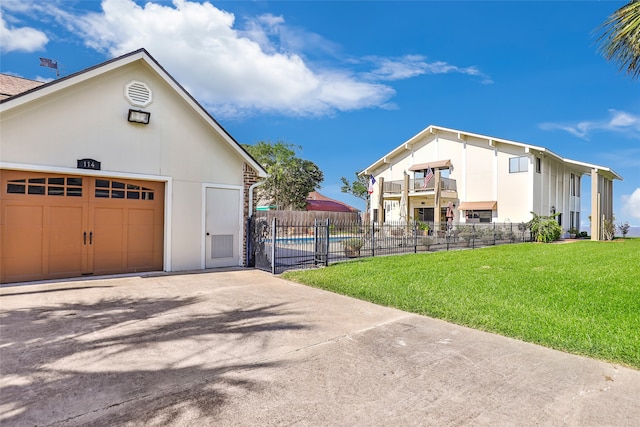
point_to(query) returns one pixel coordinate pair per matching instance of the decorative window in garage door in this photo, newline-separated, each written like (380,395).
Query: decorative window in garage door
(48,186)
(109,189)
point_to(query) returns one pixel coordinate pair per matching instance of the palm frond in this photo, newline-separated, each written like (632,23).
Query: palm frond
(620,38)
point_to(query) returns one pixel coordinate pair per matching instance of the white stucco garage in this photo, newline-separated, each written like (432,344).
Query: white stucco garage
(118,169)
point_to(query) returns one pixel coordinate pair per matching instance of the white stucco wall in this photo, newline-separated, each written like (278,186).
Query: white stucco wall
(480,175)
(514,189)
(481,171)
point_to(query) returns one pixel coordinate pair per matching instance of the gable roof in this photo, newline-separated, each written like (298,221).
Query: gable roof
(140,55)
(318,202)
(434,130)
(13,85)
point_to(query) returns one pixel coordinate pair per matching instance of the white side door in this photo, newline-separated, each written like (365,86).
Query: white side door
(223,227)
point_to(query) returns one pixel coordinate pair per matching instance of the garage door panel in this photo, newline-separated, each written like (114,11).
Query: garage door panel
(107,240)
(65,248)
(142,239)
(22,242)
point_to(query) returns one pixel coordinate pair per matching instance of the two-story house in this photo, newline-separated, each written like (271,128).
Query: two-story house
(484,179)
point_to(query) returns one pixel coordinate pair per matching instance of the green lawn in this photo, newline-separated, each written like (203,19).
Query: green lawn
(582,297)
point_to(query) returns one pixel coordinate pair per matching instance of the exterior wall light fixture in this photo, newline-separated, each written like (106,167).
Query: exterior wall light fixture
(139,116)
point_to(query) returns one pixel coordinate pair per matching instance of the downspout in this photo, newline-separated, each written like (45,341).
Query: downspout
(251,188)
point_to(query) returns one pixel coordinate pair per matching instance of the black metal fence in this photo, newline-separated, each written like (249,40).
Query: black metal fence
(277,246)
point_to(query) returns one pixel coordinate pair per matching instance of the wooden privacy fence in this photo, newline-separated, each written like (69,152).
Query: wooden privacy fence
(307,217)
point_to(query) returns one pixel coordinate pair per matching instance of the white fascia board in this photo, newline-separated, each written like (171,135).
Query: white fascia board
(399,149)
(591,166)
(461,135)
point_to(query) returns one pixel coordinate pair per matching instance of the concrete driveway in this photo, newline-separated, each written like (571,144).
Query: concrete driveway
(242,347)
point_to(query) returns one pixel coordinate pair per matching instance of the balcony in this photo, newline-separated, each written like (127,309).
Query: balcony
(416,186)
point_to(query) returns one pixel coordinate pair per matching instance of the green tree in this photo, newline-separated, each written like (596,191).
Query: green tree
(620,39)
(358,188)
(291,178)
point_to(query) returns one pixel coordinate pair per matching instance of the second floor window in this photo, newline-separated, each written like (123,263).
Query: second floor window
(575,185)
(518,164)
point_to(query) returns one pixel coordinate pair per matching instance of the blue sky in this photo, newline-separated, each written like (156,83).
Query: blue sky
(351,80)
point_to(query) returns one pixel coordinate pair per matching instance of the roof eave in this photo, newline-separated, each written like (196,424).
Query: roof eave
(432,129)
(612,174)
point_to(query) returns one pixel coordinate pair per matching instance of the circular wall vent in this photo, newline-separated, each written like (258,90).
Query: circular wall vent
(138,94)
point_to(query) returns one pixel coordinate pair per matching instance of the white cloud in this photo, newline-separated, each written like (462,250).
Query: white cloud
(259,30)
(273,35)
(631,204)
(265,66)
(24,39)
(620,119)
(415,65)
(44,79)
(622,158)
(618,122)
(229,70)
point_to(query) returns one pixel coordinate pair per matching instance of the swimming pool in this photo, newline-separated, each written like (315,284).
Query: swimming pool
(305,240)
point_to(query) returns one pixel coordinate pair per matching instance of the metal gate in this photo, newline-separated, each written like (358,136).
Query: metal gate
(260,247)
(275,246)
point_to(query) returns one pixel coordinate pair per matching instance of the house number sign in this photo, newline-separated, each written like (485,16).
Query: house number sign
(88,164)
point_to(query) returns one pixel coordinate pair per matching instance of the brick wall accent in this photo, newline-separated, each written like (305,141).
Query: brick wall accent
(249,177)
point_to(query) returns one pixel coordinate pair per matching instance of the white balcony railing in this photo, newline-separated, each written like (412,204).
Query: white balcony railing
(417,186)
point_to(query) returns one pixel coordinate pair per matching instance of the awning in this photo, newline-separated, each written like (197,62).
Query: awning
(439,164)
(478,206)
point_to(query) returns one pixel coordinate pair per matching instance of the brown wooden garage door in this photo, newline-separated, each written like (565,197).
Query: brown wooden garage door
(55,226)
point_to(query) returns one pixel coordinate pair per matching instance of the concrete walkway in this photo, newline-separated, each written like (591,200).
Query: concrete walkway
(245,348)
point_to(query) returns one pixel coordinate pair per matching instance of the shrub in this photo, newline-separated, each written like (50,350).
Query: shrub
(426,241)
(422,226)
(509,235)
(353,243)
(609,228)
(466,235)
(545,229)
(522,228)
(624,229)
